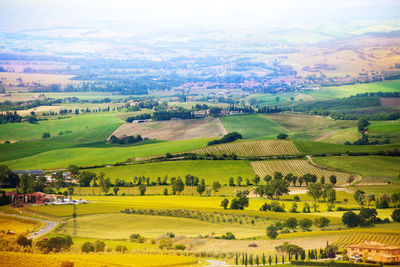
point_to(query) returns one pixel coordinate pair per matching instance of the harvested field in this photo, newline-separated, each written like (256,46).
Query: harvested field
(296,167)
(252,148)
(360,237)
(390,101)
(174,130)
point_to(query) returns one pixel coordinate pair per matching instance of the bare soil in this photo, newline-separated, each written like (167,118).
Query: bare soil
(173,130)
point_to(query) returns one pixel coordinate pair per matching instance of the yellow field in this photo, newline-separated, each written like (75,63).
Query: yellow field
(252,148)
(18,226)
(297,167)
(15,259)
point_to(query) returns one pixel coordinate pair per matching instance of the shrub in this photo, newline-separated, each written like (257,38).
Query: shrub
(87,247)
(180,247)
(99,246)
(121,249)
(24,241)
(165,244)
(46,135)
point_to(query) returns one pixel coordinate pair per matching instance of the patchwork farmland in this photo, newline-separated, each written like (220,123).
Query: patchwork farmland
(252,148)
(296,167)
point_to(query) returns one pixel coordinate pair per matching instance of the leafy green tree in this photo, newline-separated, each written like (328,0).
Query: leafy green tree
(359,196)
(201,187)
(282,136)
(350,219)
(142,189)
(256,180)
(87,247)
(224,203)
(333,179)
(8,179)
(291,223)
(24,241)
(241,201)
(396,215)
(99,246)
(116,189)
(272,232)
(314,190)
(239,180)
(267,178)
(58,179)
(305,224)
(231,182)
(216,186)
(46,135)
(85,178)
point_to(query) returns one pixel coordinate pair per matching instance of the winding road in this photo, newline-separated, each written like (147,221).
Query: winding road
(49,224)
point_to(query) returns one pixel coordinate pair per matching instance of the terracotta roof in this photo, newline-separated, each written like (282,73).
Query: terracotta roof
(373,245)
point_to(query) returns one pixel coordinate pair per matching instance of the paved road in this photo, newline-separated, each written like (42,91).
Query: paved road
(49,224)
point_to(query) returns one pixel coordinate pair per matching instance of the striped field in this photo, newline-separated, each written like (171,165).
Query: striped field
(296,167)
(360,237)
(252,148)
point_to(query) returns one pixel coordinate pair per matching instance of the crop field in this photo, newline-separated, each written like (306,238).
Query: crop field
(375,169)
(88,155)
(252,126)
(18,225)
(15,259)
(315,148)
(174,130)
(348,90)
(45,79)
(296,167)
(252,148)
(384,127)
(121,226)
(360,237)
(209,170)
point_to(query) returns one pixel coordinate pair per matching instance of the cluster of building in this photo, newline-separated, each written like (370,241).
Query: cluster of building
(374,252)
(49,177)
(42,198)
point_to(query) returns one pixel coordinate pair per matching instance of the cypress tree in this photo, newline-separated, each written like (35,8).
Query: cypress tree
(270,260)
(236,259)
(263,259)
(245,260)
(251,259)
(283,259)
(257,260)
(276,259)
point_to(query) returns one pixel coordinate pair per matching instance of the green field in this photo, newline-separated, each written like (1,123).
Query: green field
(252,126)
(372,168)
(210,170)
(316,148)
(87,156)
(384,127)
(84,128)
(348,90)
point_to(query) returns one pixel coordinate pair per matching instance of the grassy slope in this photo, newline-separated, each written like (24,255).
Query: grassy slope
(308,147)
(384,127)
(348,90)
(85,128)
(86,156)
(366,166)
(209,170)
(252,126)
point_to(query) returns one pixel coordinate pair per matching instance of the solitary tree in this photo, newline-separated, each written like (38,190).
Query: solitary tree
(116,189)
(201,187)
(142,189)
(272,232)
(225,203)
(332,179)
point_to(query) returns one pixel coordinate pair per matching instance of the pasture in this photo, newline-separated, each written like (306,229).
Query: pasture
(374,169)
(209,170)
(296,167)
(12,259)
(252,126)
(252,148)
(349,90)
(83,128)
(89,155)
(174,130)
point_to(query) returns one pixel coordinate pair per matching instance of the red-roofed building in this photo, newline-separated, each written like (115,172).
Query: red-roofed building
(375,252)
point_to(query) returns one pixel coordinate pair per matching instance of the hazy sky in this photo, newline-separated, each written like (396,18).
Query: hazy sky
(15,14)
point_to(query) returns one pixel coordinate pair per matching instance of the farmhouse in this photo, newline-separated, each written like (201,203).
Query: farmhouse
(375,252)
(35,173)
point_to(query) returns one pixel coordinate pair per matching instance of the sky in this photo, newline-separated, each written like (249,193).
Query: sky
(23,14)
